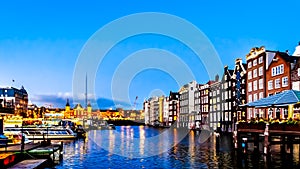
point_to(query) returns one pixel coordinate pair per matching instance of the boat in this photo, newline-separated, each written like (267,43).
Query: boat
(95,124)
(79,130)
(44,133)
(16,138)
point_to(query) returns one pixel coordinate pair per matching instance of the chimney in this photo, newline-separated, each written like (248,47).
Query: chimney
(297,50)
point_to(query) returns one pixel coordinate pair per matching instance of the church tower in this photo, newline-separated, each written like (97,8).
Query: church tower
(67,110)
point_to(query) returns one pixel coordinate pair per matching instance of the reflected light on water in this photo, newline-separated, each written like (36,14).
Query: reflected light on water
(142,139)
(189,153)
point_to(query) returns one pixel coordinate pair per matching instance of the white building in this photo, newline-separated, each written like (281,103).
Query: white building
(186,104)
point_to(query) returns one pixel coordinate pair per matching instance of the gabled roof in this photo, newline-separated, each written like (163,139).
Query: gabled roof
(78,106)
(286,57)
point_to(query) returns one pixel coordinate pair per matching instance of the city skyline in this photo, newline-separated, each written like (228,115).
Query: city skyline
(40,43)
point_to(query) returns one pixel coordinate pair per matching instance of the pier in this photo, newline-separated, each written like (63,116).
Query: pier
(33,155)
(269,135)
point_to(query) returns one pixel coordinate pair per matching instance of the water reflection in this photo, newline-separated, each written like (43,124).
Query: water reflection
(130,142)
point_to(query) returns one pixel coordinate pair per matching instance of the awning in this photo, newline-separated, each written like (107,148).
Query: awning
(281,99)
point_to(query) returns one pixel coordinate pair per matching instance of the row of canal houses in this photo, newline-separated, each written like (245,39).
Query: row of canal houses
(217,103)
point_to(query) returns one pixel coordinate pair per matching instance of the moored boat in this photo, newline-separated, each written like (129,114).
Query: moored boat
(44,133)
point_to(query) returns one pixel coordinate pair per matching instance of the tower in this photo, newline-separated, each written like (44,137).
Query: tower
(67,110)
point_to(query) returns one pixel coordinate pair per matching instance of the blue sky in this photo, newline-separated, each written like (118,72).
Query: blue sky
(40,41)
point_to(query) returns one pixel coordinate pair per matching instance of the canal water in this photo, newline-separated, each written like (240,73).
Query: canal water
(144,147)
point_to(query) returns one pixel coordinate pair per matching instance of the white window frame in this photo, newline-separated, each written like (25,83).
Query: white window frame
(270,84)
(254,97)
(254,73)
(249,75)
(277,83)
(260,84)
(249,64)
(260,60)
(285,81)
(261,95)
(254,62)
(254,85)
(260,71)
(250,87)
(249,98)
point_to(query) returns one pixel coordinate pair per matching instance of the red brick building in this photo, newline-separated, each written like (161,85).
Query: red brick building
(256,66)
(278,79)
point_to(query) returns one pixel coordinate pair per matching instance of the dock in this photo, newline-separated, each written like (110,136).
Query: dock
(17,148)
(29,164)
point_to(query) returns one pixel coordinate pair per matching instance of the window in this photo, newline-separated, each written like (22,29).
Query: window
(254,73)
(261,95)
(249,64)
(250,75)
(249,86)
(254,62)
(285,81)
(255,97)
(277,83)
(298,71)
(281,69)
(270,84)
(260,60)
(260,84)
(278,70)
(249,98)
(255,85)
(260,71)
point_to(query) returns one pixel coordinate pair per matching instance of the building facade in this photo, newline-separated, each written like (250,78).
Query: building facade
(226,100)
(256,65)
(239,79)
(204,102)
(15,99)
(173,101)
(215,105)
(278,78)
(186,105)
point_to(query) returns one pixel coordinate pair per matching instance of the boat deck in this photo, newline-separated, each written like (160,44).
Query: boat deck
(29,164)
(17,148)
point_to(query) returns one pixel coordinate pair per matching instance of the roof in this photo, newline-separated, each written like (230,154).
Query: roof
(285,56)
(280,99)
(78,106)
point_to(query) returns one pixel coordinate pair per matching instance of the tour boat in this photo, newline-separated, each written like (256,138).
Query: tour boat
(16,138)
(44,133)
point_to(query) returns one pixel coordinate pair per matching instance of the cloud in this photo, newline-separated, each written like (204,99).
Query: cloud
(59,100)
